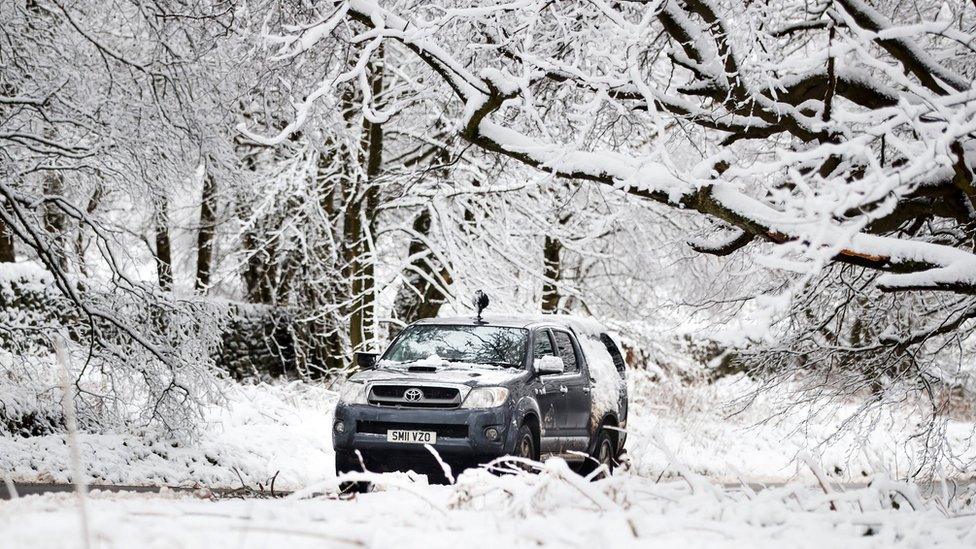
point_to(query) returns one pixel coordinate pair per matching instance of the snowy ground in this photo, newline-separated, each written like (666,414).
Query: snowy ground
(550,509)
(684,452)
(260,430)
(699,427)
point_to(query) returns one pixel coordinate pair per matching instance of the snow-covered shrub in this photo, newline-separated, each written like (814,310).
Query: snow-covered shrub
(136,359)
(29,399)
(257,342)
(29,305)
(845,339)
(257,431)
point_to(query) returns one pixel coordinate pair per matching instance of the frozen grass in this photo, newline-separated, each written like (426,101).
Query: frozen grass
(258,431)
(552,508)
(710,433)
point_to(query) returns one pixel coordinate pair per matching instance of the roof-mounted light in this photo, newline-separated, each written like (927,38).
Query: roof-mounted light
(480,302)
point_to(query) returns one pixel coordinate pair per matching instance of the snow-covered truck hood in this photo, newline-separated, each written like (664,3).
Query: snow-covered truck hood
(470,375)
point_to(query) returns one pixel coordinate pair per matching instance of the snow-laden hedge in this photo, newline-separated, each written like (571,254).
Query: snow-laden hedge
(135,359)
(255,342)
(256,431)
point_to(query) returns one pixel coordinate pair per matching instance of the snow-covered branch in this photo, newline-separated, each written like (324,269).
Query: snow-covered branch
(786,104)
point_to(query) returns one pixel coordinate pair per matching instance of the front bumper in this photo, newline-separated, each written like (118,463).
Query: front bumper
(464,447)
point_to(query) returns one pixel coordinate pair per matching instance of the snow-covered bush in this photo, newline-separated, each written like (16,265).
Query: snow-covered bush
(136,360)
(256,431)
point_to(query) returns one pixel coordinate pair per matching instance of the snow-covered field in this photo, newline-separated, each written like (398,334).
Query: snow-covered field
(678,491)
(554,508)
(259,430)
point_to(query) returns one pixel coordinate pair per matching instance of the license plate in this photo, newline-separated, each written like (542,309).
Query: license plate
(411,437)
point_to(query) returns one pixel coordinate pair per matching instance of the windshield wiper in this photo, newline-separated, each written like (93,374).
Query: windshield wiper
(502,364)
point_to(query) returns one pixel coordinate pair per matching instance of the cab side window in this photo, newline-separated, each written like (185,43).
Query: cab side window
(543,346)
(566,350)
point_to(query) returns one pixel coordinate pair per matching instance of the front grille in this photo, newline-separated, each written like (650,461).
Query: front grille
(443,430)
(407,396)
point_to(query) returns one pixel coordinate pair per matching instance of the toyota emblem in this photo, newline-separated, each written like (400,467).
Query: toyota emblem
(413,394)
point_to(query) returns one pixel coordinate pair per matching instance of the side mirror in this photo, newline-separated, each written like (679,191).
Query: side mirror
(549,365)
(365,361)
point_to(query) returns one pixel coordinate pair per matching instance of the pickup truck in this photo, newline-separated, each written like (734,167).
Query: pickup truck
(475,389)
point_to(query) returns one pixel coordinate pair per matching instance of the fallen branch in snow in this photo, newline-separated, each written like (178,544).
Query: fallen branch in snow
(821,477)
(396,480)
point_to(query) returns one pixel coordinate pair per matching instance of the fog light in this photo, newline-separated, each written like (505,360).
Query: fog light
(491,434)
(339,427)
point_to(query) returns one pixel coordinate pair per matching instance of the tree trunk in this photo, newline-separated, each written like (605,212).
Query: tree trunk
(259,271)
(54,219)
(205,236)
(352,235)
(7,249)
(164,257)
(81,241)
(551,272)
(361,206)
(332,329)
(421,295)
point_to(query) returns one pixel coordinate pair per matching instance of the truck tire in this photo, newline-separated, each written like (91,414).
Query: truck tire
(603,453)
(346,463)
(354,487)
(525,444)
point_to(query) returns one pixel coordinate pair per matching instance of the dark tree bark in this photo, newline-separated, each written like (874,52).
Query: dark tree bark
(55,222)
(164,256)
(7,249)
(352,252)
(205,236)
(420,297)
(81,241)
(551,271)
(332,333)
(361,206)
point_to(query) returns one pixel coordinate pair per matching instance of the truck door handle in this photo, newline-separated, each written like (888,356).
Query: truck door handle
(563,389)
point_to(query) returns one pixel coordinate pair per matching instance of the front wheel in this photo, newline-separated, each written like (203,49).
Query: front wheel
(525,444)
(346,462)
(355,487)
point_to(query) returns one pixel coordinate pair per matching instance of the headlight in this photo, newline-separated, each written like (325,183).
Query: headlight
(485,397)
(352,393)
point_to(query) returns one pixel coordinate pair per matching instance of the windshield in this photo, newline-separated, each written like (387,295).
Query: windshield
(495,345)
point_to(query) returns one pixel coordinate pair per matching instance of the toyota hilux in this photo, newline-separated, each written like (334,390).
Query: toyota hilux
(475,389)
